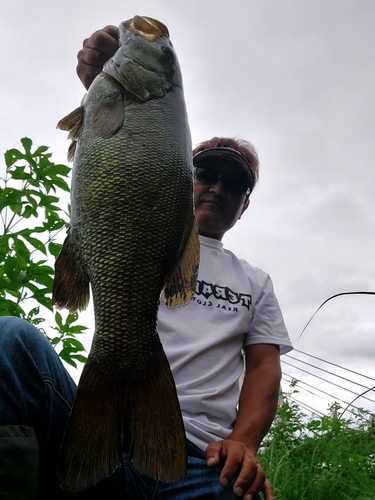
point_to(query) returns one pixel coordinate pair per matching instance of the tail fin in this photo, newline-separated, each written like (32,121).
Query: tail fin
(157,434)
(112,416)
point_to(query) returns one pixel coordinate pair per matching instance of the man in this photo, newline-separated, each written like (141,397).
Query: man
(233,312)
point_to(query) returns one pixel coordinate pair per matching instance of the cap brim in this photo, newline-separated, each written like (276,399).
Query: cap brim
(227,154)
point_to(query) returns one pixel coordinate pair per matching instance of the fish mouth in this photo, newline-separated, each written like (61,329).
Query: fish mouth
(146,27)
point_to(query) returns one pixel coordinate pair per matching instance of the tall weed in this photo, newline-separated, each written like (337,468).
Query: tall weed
(309,458)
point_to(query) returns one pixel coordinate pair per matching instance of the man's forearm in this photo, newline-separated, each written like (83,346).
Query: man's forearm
(258,399)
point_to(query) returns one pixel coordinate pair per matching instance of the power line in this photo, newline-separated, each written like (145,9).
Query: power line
(319,390)
(334,398)
(330,298)
(327,381)
(326,371)
(310,408)
(334,364)
(358,396)
(314,394)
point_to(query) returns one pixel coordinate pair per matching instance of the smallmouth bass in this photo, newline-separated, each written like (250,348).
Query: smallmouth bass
(133,235)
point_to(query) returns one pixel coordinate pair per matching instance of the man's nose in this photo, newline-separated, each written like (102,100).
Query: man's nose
(218,187)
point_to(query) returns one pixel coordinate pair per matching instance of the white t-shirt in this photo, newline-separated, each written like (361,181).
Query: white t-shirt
(234,306)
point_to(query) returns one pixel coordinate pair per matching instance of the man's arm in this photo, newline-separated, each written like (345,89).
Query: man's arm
(257,408)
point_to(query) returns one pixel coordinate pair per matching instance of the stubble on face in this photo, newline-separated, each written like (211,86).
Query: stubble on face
(216,210)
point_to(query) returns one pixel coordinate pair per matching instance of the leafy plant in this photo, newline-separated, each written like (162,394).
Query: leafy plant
(319,458)
(31,223)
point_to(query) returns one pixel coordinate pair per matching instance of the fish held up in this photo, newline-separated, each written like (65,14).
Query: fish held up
(133,237)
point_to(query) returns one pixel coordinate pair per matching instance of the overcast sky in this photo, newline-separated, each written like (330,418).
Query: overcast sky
(295,77)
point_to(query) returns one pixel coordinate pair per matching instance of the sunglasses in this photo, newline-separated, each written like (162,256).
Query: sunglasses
(232,183)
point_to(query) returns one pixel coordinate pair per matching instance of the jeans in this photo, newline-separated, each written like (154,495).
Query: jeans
(36,391)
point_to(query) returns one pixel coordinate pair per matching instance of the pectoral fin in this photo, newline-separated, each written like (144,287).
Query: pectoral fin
(179,285)
(73,124)
(108,116)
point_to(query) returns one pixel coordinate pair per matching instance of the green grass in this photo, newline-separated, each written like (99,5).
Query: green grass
(330,458)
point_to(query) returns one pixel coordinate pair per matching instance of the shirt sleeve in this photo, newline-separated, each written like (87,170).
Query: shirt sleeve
(267,324)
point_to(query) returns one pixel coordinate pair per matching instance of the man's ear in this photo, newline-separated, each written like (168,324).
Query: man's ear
(245,205)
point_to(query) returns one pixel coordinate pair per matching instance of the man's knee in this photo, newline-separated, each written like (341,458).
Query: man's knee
(12,325)
(17,330)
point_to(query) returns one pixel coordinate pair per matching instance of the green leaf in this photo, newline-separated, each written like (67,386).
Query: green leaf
(76,329)
(46,201)
(71,318)
(11,156)
(27,143)
(21,251)
(58,169)
(66,356)
(54,248)
(35,243)
(9,308)
(73,344)
(34,312)
(30,196)
(19,173)
(60,183)
(43,300)
(11,196)
(80,357)
(40,150)
(29,211)
(14,292)
(58,319)
(39,229)
(53,224)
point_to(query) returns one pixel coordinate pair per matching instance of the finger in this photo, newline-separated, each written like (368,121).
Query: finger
(249,487)
(213,453)
(268,491)
(88,57)
(95,52)
(99,47)
(233,462)
(250,479)
(104,40)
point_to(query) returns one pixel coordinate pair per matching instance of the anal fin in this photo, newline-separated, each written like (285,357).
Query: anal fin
(71,287)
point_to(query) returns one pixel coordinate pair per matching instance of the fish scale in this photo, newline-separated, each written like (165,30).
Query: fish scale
(133,238)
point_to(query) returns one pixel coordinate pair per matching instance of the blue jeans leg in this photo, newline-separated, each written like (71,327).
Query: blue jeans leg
(201,482)
(36,391)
